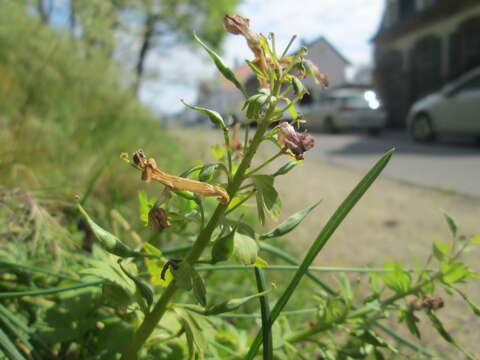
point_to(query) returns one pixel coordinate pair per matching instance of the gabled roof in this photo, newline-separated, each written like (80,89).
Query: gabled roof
(329,44)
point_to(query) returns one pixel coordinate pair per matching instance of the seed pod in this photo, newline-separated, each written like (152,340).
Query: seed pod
(107,240)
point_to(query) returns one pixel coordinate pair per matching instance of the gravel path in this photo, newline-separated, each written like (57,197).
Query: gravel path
(393,221)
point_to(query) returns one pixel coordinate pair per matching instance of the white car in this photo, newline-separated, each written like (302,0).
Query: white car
(453,110)
(344,109)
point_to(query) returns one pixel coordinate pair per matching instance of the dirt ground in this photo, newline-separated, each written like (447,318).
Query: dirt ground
(393,221)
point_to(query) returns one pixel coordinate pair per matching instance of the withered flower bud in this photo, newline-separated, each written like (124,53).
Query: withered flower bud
(296,142)
(429,302)
(172,182)
(139,158)
(157,218)
(313,70)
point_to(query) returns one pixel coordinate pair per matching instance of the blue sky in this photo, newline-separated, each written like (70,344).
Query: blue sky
(348,24)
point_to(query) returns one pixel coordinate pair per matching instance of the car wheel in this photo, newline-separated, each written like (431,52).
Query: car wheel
(422,129)
(330,126)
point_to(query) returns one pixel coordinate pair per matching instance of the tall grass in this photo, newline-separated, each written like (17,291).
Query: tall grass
(65,115)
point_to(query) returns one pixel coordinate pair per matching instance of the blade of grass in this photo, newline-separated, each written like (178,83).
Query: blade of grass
(321,240)
(48,291)
(31,268)
(295,267)
(265,312)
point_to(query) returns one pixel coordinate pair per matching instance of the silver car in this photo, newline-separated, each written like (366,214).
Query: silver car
(345,109)
(453,110)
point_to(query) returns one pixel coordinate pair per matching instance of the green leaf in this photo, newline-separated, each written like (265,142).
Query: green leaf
(10,349)
(440,250)
(454,272)
(475,239)
(268,199)
(321,240)
(207,172)
(145,204)
(199,290)
(194,332)
(246,249)
(107,240)
(398,280)
(143,288)
(224,247)
(224,69)
(289,224)
(260,263)
(473,306)
(411,321)
(183,275)
(232,304)
(218,151)
(452,224)
(214,116)
(155,266)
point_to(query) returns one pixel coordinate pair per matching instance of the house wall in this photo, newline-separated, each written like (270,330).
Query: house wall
(328,61)
(441,29)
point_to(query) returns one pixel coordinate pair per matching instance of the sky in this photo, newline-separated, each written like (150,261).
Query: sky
(347,24)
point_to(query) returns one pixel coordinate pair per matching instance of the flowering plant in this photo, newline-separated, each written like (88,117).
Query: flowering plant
(215,231)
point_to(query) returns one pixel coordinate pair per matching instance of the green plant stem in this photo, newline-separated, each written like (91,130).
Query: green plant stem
(203,239)
(229,152)
(49,291)
(295,267)
(280,153)
(265,312)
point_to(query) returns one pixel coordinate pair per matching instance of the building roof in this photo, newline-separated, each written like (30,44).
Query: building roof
(430,15)
(329,44)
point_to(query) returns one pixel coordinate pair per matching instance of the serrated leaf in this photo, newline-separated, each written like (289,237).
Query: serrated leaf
(155,266)
(143,288)
(199,290)
(246,249)
(452,224)
(213,115)
(268,199)
(224,69)
(183,275)
(454,272)
(289,224)
(109,270)
(397,280)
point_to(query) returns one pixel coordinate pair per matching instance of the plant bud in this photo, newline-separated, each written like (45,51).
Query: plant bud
(157,218)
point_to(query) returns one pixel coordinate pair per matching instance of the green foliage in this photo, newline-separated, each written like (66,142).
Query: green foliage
(143,309)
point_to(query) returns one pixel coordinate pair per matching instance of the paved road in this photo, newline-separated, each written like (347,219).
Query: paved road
(449,164)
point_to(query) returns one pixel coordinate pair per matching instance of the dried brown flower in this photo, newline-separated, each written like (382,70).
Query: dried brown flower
(319,76)
(152,172)
(296,142)
(157,218)
(429,302)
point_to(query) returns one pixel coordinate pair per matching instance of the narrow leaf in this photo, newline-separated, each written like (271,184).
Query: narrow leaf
(289,224)
(322,239)
(214,116)
(221,66)
(199,290)
(452,224)
(107,240)
(232,304)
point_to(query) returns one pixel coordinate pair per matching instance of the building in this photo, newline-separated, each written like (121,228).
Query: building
(420,46)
